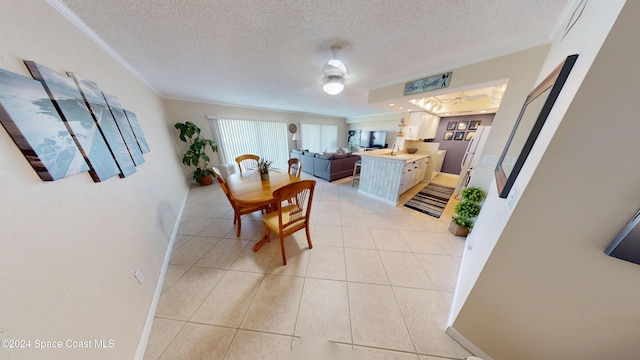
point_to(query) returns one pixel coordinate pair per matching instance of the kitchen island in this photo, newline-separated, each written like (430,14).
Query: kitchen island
(384,176)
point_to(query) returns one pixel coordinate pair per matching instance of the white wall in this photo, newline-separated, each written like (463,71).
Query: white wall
(197,112)
(544,288)
(70,247)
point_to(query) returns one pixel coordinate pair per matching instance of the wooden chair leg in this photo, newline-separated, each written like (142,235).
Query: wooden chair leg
(308,237)
(239,226)
(284,257)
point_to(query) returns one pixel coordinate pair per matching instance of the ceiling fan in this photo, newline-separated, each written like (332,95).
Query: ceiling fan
(333,73)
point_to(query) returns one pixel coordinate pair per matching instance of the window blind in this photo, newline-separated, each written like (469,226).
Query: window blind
(318,138)
(267,139)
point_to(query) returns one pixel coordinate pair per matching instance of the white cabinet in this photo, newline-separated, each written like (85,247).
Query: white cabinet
(422,169)
(422,125)
(410,176)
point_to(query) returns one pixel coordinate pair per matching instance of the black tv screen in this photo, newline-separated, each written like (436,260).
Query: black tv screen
(373,139)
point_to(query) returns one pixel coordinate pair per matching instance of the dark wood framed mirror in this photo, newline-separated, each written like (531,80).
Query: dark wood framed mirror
(532,117)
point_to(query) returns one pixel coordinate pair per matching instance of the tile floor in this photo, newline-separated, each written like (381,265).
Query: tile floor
(378,282)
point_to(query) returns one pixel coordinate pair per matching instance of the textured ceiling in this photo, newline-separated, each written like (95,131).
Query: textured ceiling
(269,53)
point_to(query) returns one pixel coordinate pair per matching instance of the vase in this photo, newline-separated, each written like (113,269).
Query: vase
(458,230)
(206,180)
(264,176)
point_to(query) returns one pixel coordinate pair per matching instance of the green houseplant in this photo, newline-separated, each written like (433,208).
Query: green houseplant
(196,154)
(466,211)
(263,168)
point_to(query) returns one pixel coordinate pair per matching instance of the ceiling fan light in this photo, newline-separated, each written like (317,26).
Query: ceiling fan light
(337,63)
(333,86)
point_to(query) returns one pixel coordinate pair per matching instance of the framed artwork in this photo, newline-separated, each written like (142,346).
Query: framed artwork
(462,125)
(459,135)
(452,125)
(125,128)
(102,116)
(137,131)
(448,135)
(473,125)
(75,115)
(528,125)
(33,122)
(469,135)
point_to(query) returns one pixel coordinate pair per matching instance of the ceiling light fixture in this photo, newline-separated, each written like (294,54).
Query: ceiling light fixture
(334,72)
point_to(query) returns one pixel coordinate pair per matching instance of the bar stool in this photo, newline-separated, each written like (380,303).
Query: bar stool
(356,172)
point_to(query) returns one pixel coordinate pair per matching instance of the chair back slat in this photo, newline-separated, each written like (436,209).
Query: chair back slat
(247,162)
(294,202)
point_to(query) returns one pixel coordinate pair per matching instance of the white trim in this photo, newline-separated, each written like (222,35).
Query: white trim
(75,20)
(471,347)
(146,330)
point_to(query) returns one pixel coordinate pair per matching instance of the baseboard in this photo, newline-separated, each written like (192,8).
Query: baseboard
(471,347)
(146,330)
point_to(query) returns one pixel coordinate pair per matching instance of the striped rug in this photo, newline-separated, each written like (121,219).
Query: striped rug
(431,200)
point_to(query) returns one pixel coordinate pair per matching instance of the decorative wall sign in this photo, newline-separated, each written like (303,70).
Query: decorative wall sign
(125,128)
(102,115)
(32,121)
(448,135)
(473,125)
(426,84)
(137,131)
(76,116)
(451,125)
(459,135)
(462,125)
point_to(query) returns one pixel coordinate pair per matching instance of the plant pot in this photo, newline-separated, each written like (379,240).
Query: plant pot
(206,180)
(264,176)
(458,230)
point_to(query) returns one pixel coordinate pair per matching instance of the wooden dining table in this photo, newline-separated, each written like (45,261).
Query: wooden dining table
(248,189)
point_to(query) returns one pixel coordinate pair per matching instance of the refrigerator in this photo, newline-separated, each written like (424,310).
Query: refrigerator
(471,157)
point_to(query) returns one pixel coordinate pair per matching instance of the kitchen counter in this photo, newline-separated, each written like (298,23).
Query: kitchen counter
(384,176)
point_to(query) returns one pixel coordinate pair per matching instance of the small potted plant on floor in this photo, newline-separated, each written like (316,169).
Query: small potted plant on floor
(466,211)
(263,168)
(196,154)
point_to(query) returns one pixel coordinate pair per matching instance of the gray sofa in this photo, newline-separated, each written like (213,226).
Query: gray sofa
(329,167)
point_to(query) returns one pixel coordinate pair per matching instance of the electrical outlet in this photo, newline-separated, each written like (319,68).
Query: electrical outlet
(138,275)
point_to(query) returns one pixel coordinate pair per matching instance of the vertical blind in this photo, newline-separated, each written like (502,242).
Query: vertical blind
(266,139)
(318,138)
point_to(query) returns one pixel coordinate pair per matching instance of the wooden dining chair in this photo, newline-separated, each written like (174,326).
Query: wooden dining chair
(248,162)
(293,207)
(295,167)
(238,210)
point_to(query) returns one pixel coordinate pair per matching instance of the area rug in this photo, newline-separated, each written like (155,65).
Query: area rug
(431,200)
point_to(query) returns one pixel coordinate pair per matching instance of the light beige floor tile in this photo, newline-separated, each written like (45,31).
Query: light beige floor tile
(409,221)
(376,319)
(297,259)
(255,261)
(448,298)
(228,302)
(180,240)
(365,266)
(442,269)
(358,238)
(174,272)
(332,218)
(380,354)
(223,254)
(163,331)
(379,221)
(324,311)
(182,299)
(332,204)
(250,228)
(389,239)
(275,306)
(452,245)
(257,345)
(192,251)
(197,341)
(404,269)
(327,236)
(205,209)
(425,313)
(421,242)
(354,219)
(190,225)
(317,348)
(327,263)
(218,228)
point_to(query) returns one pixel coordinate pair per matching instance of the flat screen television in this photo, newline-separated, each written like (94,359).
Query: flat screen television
(373,139)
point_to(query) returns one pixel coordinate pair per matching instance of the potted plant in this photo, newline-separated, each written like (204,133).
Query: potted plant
(263,168)
(196,154)
(466,210)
